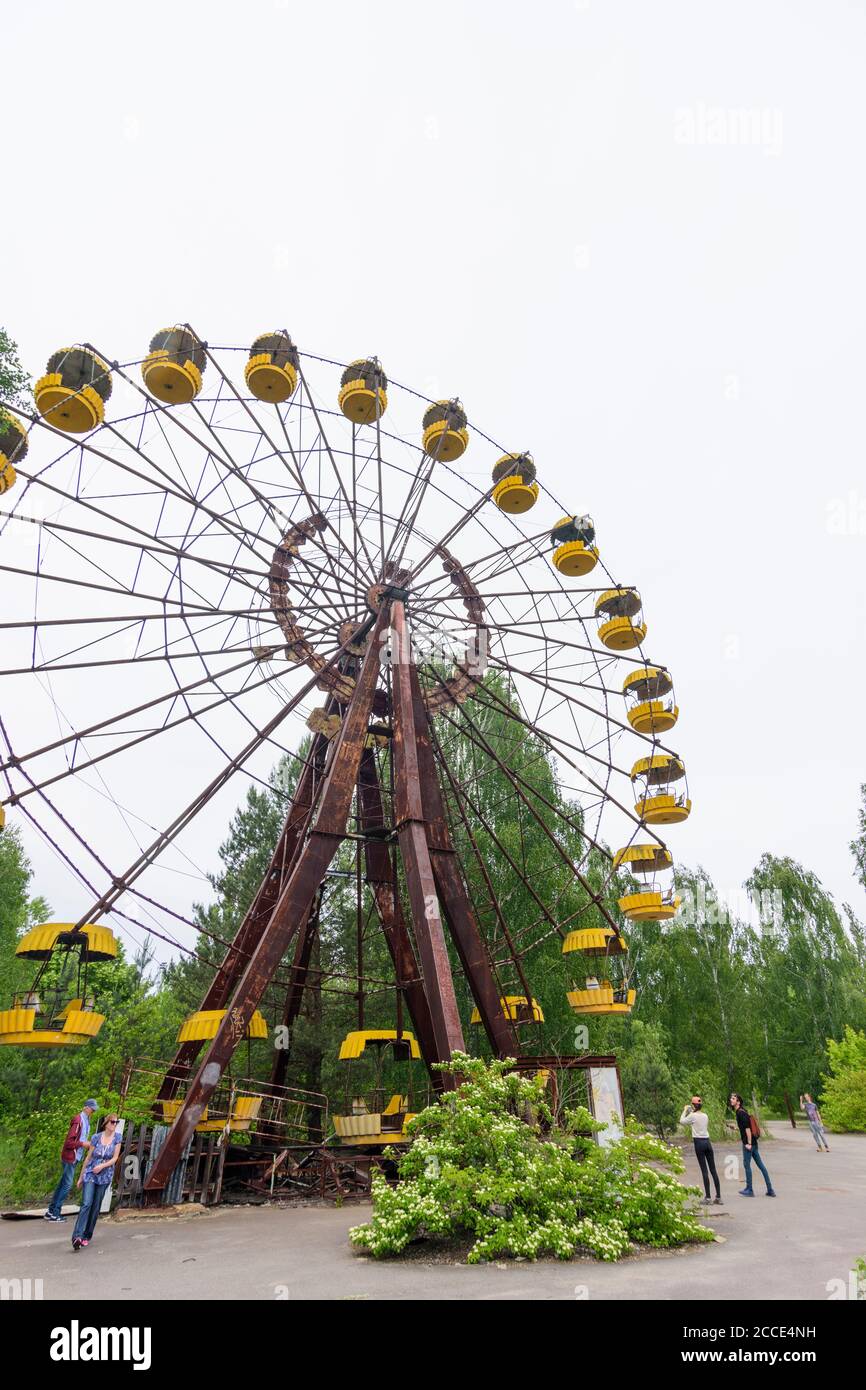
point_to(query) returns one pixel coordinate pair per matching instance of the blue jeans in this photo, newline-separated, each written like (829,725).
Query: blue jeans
(62,1190)
(748,1155)
(88,1216)
(818,1133)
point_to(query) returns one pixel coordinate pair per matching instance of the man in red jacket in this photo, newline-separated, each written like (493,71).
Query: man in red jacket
(71,1153)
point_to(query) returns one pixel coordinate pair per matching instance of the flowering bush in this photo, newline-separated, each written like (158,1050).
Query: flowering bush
(486,1164)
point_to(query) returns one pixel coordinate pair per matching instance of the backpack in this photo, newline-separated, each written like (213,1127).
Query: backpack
(754,1127)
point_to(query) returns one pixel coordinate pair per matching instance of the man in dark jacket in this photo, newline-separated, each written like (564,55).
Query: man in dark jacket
(751,1151)
(72,1152)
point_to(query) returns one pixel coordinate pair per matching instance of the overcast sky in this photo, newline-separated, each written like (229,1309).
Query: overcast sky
(631,237)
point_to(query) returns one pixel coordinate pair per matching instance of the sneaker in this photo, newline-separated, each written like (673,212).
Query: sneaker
(85,1242)
(705,1201)
(717,1202)
(49,1216)
(771,1193)
(76,1243)
(746,1192)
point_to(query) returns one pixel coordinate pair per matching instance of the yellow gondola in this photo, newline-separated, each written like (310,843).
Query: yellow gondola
(600,997)
(271,372)
(574,553)
(78,1017)
(363,394)
(13,448)
(516,489)
(659,804)
(517,1008)
(652,903)
(617,610)
(172,370)
(72,394)
(375,1123)
(647,710)
(445,434)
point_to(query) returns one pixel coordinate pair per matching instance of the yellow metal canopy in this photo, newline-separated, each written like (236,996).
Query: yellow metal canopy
(354,1043)
(663,767)
(202,1026)
(648,682)
(513,1005)
(644,859)
(618,603)
(39,942)
(595,941)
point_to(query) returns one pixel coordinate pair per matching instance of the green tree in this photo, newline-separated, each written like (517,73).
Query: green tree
(14,380)
(858,844)
(692,980)
(807,980)
(647,1081)
(18,910)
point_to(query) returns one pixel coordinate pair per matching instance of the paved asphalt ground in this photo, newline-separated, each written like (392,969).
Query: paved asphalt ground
(784,1249)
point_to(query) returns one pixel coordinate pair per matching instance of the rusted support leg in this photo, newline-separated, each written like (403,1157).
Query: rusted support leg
(412,836)
(292,908)
(295,992)
(380,876)
(453,893)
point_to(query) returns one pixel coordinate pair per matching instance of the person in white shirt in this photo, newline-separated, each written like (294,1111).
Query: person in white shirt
(695,1118)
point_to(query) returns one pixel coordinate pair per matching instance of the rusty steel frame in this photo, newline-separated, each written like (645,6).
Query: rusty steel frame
(285,909)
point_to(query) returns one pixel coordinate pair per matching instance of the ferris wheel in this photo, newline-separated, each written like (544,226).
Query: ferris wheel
(210,551)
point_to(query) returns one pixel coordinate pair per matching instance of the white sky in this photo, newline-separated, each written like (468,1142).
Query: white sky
(552,211)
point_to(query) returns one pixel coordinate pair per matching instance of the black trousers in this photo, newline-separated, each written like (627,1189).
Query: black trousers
(707,1163)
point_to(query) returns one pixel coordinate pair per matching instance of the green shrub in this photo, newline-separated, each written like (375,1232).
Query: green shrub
(843,1097)
(486,1165)
(843,1102)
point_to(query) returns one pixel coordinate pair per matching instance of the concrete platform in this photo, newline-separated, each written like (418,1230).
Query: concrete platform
(789,1248)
